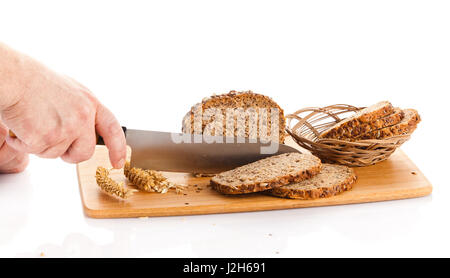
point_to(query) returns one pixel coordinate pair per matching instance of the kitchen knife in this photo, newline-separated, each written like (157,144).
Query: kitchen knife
(179,152)
(188,153)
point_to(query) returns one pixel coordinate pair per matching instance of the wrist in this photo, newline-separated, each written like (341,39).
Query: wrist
(15,77)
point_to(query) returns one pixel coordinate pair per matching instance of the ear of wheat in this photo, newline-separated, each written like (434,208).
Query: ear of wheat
(149,180)
(110,186)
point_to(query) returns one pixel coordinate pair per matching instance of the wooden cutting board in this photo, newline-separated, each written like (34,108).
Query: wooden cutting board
(396,178)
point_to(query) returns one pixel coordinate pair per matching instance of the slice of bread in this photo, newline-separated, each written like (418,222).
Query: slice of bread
(237,114)
(407,125)
(332,180)
(363,128)
(267,173)
(351,125)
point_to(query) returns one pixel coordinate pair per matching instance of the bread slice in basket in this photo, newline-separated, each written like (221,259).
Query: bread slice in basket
(363,128)
(407,125)
(332,180)
(267,173)
(363,120)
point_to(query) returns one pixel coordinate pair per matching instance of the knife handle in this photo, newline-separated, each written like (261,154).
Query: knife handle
(100,139)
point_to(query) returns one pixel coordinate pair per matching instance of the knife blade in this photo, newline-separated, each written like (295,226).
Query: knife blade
(188,153)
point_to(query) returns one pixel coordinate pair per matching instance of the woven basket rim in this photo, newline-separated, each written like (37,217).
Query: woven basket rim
(389,140)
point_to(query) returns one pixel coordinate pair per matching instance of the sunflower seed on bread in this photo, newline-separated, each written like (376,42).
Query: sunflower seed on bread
(332,180)
(267,173)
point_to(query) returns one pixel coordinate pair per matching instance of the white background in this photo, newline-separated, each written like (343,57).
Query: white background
(149,61)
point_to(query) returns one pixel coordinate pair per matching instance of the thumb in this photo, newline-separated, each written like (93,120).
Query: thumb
(109,128)
(3,131)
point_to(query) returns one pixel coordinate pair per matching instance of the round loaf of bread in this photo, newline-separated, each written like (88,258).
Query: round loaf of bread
(267,173)
(237,114)
(332,180)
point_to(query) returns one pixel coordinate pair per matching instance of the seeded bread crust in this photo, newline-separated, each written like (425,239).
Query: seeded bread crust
(233,181)
(332,180)
(360,121)
(234,99)
(363,128)
(407,125)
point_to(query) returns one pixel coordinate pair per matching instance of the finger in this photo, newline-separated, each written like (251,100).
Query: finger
(55,151)
(16,144)
(109,128)
(7,154)
(81,149)
(21,146)
(17,165)
(3,131)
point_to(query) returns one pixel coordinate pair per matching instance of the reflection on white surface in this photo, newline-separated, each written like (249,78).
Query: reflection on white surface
(298,232)
(15,197)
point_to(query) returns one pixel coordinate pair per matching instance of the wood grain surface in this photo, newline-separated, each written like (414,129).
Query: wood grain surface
(396,178)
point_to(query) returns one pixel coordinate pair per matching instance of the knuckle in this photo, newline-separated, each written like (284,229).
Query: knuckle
(51,138)
(90,97)
(84,154)
(85,112)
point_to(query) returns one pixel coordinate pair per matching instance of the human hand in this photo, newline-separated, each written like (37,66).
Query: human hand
(56,116)
(11,160)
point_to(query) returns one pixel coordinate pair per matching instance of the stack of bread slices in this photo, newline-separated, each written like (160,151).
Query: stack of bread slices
(290,175)
(379,121)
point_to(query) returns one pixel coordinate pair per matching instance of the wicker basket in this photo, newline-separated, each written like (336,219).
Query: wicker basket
(306,124)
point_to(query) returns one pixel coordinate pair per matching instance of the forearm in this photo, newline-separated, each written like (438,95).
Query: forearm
(15,76)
